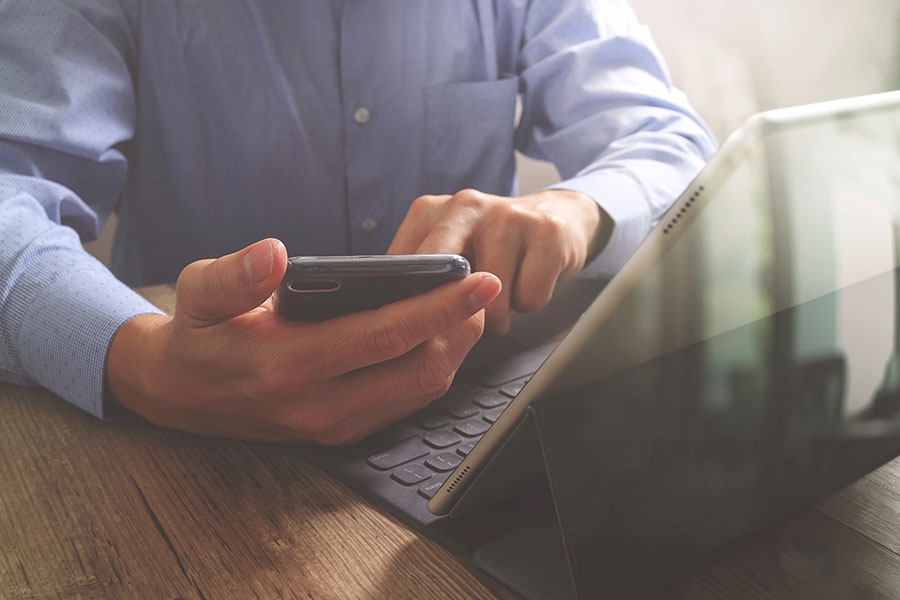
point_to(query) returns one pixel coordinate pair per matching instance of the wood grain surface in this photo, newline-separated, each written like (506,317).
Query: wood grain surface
(92,509)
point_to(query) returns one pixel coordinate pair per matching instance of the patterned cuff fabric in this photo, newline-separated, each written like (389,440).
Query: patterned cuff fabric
(65,336)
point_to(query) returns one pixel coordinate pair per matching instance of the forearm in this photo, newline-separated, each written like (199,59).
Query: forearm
(66,110)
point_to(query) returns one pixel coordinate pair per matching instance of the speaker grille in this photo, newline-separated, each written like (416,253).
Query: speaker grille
(458,479)
(683,210)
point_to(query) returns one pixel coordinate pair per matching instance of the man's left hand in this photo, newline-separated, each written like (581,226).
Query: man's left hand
(529,242)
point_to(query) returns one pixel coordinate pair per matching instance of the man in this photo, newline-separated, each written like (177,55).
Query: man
(329,127)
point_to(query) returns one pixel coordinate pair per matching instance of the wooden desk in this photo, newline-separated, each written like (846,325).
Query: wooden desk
(90,509)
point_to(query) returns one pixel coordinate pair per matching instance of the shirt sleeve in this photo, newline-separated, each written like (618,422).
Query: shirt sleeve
(599,103)
(66,112)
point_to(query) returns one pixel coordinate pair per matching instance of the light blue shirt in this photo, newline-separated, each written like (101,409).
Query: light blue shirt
(209,124)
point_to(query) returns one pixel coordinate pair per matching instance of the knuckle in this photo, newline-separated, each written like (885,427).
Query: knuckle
(447,314)
(533,297)
(475,329)
(186,275)
(190,275)
(553,227)
(214,282)
(470,199)
(421,204)
(529,302)
(434,375)
(498,320)
(511,216)
(388,338)
(555,255)
(427,204)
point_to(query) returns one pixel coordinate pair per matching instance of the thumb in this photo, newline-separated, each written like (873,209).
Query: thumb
(213,290)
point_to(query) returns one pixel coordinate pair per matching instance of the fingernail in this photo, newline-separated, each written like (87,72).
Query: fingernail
(482,294)
(258,262)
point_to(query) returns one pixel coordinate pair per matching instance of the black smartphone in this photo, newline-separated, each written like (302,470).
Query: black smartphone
(316,288)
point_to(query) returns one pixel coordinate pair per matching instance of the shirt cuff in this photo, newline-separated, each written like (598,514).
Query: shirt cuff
(65,336)
(623,200)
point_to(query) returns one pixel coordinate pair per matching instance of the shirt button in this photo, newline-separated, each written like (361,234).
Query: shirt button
(369,224)
(361,115)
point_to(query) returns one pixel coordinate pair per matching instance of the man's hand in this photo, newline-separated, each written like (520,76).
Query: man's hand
(227,365)
(530,242)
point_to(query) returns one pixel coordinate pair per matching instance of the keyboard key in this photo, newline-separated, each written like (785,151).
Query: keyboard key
(491,416)
(411,474)
(462,409)
(465,449)
(396,456)
(431,488)
(445,461)
(442,439)
(486,399)
(433,421)
(472,427)
(512,389)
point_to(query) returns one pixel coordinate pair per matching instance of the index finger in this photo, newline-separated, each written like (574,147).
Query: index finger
(365,338)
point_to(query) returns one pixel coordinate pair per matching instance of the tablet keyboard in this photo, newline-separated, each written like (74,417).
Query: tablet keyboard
(438,438)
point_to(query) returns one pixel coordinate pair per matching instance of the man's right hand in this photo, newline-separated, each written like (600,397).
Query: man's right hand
(226,364)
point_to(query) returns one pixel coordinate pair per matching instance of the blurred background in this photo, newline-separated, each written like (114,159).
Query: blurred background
(734,58)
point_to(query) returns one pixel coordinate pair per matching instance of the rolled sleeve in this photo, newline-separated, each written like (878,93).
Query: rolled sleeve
(598,102)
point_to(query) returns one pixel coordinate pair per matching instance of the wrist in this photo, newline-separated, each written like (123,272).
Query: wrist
(134,360)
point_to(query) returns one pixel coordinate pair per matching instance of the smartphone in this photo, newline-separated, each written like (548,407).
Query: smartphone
(316,288)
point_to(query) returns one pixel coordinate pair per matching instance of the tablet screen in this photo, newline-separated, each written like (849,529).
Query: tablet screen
(784,384)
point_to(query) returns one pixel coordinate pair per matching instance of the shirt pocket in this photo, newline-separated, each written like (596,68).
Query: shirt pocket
(469,130)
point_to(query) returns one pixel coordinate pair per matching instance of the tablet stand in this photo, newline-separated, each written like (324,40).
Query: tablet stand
(658,469)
